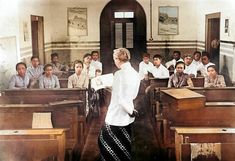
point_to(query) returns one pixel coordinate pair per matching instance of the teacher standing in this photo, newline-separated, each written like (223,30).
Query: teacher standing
(115,136)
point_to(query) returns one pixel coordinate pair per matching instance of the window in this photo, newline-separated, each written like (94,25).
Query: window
(123,14)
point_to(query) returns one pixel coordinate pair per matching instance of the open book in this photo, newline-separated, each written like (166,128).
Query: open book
(102,81)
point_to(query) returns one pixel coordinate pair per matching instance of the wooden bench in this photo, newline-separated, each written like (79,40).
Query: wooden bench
(32,145)
(185,137)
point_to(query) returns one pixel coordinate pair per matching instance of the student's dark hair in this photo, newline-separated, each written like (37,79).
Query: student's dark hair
(77,62)
(179,62)
(33,57)
(176,51)
(21,63)
(157,56)
(146,55)
(86,55)
(214,67)
(206,53)
(195,52)
(54,55)
(46,66)
(94,51)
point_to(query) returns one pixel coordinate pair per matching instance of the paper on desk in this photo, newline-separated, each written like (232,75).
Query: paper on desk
(102,81)
(42,120)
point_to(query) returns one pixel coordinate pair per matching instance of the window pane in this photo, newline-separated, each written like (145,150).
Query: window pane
(129,35)
(128,14)
(118,35)
(118,15)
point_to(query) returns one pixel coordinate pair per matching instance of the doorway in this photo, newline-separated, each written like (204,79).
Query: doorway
(122,24)
(213,37)
(37,29)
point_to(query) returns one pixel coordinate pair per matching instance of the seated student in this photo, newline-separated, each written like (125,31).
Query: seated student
(88,69)
(145,66)
(190,68)
(56,65)
(78,79)
(197,58)
(205,63)
(179,78)
(213,79)
(35,71)
(158,70)
(20,80)
(176,58)
(48,79)
(95,60)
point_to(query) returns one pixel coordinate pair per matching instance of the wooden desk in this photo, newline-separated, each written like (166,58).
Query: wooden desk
(65,114)
(183,99)
(32,144)
(186,135)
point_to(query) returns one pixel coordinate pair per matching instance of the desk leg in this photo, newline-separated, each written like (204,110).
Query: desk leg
(178,142)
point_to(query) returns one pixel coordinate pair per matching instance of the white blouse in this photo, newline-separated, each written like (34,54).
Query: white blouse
(124,90)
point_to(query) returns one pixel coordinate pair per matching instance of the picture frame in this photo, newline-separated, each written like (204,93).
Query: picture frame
(77,21)
(168,20)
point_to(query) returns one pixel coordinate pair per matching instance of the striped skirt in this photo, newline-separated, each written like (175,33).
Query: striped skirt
(115,143)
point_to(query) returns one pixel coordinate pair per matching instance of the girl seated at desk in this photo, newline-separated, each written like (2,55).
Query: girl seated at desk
(213,79)
(48,80)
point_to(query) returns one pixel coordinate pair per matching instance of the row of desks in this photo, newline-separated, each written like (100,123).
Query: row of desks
(68,108)
(209,108)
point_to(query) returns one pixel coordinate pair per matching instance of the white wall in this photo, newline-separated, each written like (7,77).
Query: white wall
(227,12)
(59,21)
(187,18)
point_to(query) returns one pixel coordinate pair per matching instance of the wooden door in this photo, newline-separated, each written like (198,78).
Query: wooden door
(127,30)
(37,29)
(213,37)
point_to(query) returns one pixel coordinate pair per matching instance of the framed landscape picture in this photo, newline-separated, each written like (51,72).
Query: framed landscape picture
(168,20)
(77,21)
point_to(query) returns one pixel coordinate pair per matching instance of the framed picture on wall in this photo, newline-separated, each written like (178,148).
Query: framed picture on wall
(168,20)
(77,21)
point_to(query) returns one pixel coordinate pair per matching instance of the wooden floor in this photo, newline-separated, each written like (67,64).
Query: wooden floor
(144,145)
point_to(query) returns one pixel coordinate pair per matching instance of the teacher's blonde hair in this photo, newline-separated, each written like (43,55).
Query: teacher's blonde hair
(123,54)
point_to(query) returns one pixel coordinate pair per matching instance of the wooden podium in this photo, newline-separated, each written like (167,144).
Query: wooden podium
(183,99)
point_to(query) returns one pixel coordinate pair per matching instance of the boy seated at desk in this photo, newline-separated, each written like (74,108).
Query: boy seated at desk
(20,80)
(158,70)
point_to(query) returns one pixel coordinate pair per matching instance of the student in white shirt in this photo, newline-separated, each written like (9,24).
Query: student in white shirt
(158,70)
(197,58)
(145,66)
(95,61)
(88,69)
(176,57)
(205,63)
(115,135)
(190,68)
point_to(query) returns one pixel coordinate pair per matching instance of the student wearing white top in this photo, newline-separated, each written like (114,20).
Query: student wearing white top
(95,61)
(190,68)
(205,63)
(176,57)
(115,136)
(158,70)
(197,58)
(88,69)
(145,66)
